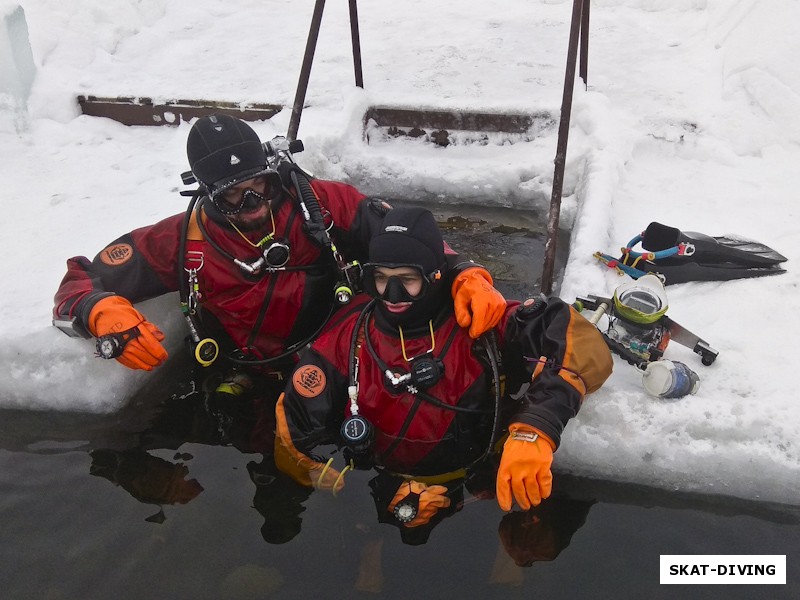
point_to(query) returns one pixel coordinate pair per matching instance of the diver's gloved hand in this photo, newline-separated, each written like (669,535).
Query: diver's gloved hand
(418,502)
(115,314)
(525,467)
(478,305)
(308,472)
(302,468)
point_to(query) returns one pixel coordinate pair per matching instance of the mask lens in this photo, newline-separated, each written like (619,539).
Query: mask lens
(394,290)
(233,199)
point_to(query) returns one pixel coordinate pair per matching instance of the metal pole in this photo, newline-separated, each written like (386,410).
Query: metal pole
(305,70)
(356,44)
(561,152)
(584,67)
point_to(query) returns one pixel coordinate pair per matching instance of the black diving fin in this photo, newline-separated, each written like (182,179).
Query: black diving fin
(680,256)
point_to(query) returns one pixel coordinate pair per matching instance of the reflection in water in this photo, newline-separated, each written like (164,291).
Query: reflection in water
(68,545)
(279,500)
(541,533)
(149,479)
(200,413)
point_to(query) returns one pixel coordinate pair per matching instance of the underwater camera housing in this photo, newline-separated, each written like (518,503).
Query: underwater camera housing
(639,330)
(635,317)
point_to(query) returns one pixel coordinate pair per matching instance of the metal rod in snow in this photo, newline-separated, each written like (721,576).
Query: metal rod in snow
(561,152)
(584,66)
(356,44)
(305,70)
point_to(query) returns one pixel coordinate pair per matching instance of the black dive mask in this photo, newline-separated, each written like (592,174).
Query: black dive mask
(248,200)
(230,201)
(395,291)
(424,306)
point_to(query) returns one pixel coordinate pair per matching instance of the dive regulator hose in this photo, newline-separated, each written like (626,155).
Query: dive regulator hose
(489,342)
(315,223)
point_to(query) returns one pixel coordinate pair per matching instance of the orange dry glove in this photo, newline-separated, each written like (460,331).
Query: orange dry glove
(308,472)
(477,304)
(115,314)
(418,502)
(303,469)
(525,467)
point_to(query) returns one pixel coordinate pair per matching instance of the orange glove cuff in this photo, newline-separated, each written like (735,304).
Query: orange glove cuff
(478,305)
(524,428)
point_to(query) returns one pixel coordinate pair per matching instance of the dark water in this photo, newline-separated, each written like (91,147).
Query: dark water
(79,498)
(510,243)
(172,497)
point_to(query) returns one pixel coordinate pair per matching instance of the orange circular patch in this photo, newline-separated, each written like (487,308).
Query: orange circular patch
(309,381)
(116,254)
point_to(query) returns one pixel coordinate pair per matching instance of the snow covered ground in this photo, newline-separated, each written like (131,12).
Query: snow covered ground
(691,118)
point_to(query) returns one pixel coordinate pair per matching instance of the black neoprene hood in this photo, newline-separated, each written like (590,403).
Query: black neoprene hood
(224,151)
(408,236)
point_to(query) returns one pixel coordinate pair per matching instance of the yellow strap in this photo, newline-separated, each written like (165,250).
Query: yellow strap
(435,479)
(324,470)
(341,478)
